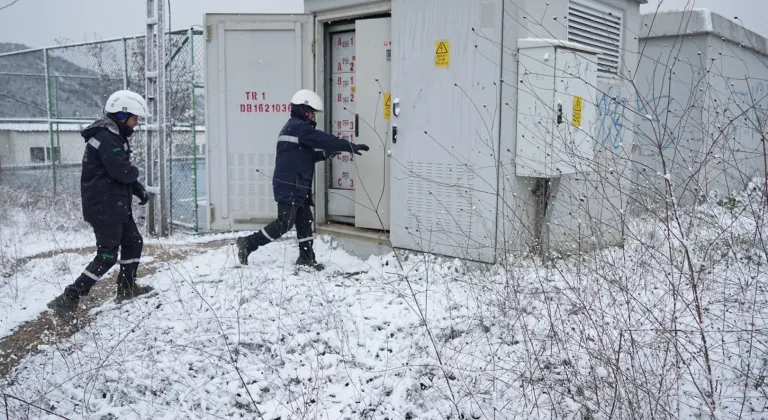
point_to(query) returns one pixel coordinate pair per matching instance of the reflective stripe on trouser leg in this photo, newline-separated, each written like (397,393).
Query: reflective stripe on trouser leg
(286,217)
(131,245)
(99,266)
(92,273)
(304,219)
(107,245)
(266,234)
(258,239)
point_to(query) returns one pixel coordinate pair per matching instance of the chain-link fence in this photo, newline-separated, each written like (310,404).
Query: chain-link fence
(48,95)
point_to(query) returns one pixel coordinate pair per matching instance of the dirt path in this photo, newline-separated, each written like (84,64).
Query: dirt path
(26,338)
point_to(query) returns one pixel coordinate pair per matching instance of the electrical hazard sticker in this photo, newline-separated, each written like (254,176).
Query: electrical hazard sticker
(578,103)
(442,54)
(387,106)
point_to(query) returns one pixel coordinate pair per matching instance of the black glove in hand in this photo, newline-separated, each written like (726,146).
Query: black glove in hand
(141,192)
(144,197)
(359,147)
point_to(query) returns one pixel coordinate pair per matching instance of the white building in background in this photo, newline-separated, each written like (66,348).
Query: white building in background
(479,114)
(28,145)
(702,86)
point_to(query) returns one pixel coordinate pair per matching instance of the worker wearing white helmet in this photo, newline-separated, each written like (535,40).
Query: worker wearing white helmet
(108,182)
(299,146)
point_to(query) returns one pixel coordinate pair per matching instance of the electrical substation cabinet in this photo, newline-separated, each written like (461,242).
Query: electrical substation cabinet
(556,113)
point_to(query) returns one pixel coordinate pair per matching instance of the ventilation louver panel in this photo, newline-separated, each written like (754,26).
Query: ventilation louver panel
(598,28)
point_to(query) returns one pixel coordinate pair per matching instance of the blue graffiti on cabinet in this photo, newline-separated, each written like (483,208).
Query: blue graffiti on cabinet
(752,100)
(612,122)
(744,108)
(755,93)
(610,119)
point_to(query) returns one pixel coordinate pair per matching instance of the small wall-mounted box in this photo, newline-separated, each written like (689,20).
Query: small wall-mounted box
(556,113)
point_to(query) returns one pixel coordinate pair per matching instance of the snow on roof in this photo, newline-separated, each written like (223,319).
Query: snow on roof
(675,23)
(68,127)
(40,127)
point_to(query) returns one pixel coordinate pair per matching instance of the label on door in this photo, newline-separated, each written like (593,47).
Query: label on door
(343,107)
(387,106)
(578,103)
(442,54)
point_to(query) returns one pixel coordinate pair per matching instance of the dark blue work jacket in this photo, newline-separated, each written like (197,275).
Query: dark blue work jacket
(296,156)
(108,180)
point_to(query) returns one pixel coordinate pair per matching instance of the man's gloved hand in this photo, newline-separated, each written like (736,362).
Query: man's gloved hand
(359,147)
(141,192)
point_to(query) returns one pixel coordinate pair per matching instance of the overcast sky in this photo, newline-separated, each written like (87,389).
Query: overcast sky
(40,23)
(751,13)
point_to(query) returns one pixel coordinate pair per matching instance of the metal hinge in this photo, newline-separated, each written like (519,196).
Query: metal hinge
(212,212)
(313,47)
(208,32)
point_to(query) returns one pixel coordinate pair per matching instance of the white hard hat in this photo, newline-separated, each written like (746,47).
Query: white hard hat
(307,97)
(127,101)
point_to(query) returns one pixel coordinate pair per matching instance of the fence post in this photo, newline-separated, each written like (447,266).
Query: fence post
(125,63)
(194,124)
(48,107)
(167,67)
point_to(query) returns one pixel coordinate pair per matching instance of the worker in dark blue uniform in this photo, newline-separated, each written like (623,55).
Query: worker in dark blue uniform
(292,181)
(108,182)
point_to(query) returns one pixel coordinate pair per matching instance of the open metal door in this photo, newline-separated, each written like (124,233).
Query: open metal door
(254,65)
(342,61)
(374,111)
(444,162)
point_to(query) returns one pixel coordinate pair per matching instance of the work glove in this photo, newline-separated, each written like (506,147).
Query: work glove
(141,192)
(358,147)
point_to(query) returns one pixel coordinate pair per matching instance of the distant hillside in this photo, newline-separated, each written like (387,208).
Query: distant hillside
(79,84)
(23,90)
(10,47)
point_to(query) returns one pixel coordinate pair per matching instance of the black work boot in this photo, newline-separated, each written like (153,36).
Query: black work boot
(243,250)
(127,291)
(127,287)
(307,258)
(63,305)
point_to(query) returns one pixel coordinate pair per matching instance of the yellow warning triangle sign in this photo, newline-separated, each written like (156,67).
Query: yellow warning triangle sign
(387,100)
(441,48)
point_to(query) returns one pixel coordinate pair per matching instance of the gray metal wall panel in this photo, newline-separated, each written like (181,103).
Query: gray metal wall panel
(445,160)
(586,211)
(714,80)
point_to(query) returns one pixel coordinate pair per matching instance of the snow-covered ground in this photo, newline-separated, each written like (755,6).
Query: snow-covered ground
(27,235)
(620,333)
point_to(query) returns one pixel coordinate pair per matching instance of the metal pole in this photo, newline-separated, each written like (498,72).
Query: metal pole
(169,77)
(56,151)
(150,95)
(157,130)
(163,122)
(80,44)
(48,109)
(125,63)
(194,126)
(45,120)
